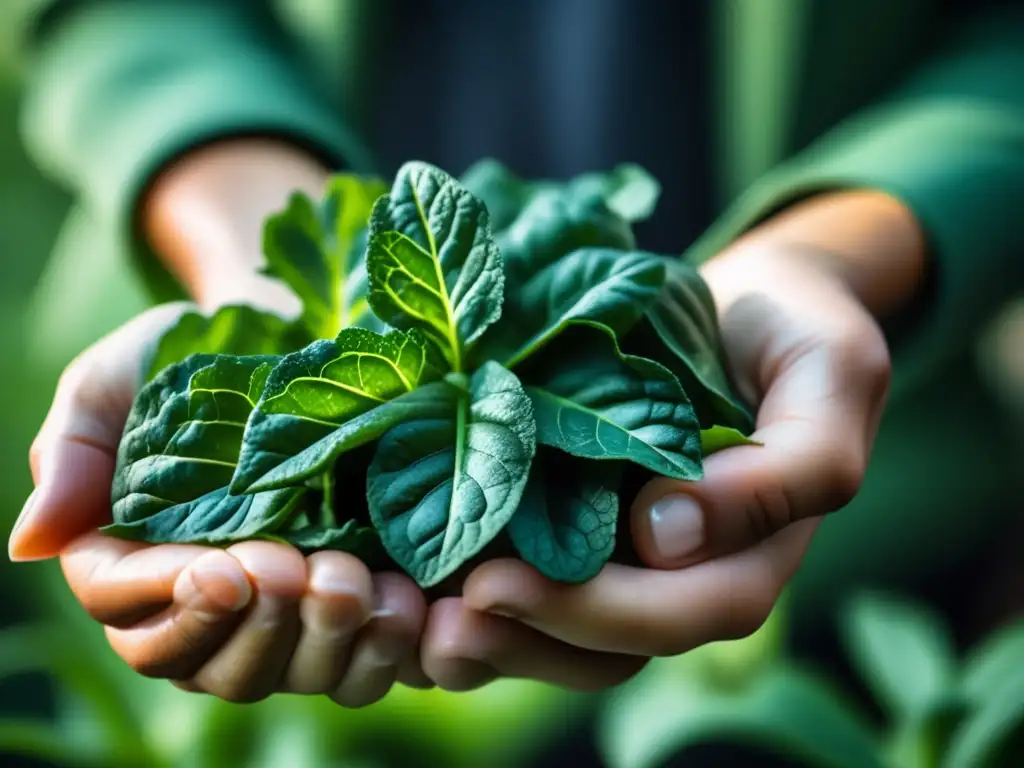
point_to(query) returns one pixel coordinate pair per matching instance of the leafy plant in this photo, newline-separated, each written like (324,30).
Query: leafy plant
(470,351)
(941,712)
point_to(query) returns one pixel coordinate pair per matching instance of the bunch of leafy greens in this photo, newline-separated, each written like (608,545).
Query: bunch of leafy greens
(474,361)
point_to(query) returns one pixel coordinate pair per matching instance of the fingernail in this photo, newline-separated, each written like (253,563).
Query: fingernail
(677,525)
(217,585)
(23,517)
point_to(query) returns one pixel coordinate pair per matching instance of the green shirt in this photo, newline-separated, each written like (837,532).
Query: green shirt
(813,95)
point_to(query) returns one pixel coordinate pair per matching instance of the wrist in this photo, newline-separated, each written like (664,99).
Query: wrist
(868,240)
(203,215)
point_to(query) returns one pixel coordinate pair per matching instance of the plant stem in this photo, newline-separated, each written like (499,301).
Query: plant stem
(327,505)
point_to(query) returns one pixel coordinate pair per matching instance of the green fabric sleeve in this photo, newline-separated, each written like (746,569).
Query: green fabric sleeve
(120,87)
(950,144)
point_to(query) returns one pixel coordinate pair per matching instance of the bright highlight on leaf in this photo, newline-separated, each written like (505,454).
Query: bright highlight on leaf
(476,362)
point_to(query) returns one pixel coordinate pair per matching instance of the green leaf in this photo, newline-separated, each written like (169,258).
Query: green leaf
(613,288)
(441,487)
(310,247)
(681,332)
(592,401)
(994,735)
(628,190)
(179,451)
(905,654)
(554,225)
(432,262)
(784,711)
(719,438)
(325,400)
(234,330)
(993,662)
(565,524)
(360,540)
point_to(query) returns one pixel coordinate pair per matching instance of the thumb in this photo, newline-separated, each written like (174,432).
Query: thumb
(73,456)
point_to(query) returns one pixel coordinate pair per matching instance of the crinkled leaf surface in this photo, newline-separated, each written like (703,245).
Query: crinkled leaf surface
(327,399)
(310,247)
(719,438)
(233,330)
(432,262)
(179,452)
(613,288)
(554,225)
(565,524)
(592,401)
(442,486)
(680,331)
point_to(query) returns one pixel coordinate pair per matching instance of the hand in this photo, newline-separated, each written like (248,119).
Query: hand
(239,623)
(799,331)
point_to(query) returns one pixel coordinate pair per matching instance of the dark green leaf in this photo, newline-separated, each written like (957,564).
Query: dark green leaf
(784,711)
(905,654)
(719,438)
(681,332)
(432,262)
(565,524)
(628,190)
(613,288)
(310,247)
(592,401)
(325,400)
(180,449)
(442,486)
(360,540)
(554,225)
(236,330)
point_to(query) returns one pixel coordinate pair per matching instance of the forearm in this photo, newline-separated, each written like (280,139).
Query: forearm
(204,214)
(867,239)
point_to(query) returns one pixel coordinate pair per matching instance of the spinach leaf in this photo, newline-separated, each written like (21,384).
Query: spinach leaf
(555,224)
(312,248)
(179,451)
(565,525)
(360,540)
(592,401)
(233,330)
(613,288)
(326,399)
(441,487)
(628,190)
(432,262)
(719,438)
(680,331)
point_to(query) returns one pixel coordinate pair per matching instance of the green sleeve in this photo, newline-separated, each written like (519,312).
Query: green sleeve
(950,144)
(120,87)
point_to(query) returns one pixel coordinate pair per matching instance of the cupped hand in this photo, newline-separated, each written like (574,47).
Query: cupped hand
(239,623)
(718,551)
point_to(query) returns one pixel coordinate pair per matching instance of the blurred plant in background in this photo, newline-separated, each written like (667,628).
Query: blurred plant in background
(939,711)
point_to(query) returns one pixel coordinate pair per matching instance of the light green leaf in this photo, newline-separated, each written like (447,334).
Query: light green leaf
(180,449)
(992,662)
(432,262)
(993,736)
(681,332)
(311,247)
(905,654)
(565,524)
(719,438)
(325,400)
(613,288)
(234,330)
(441,487)
(783,711)
(592,401)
